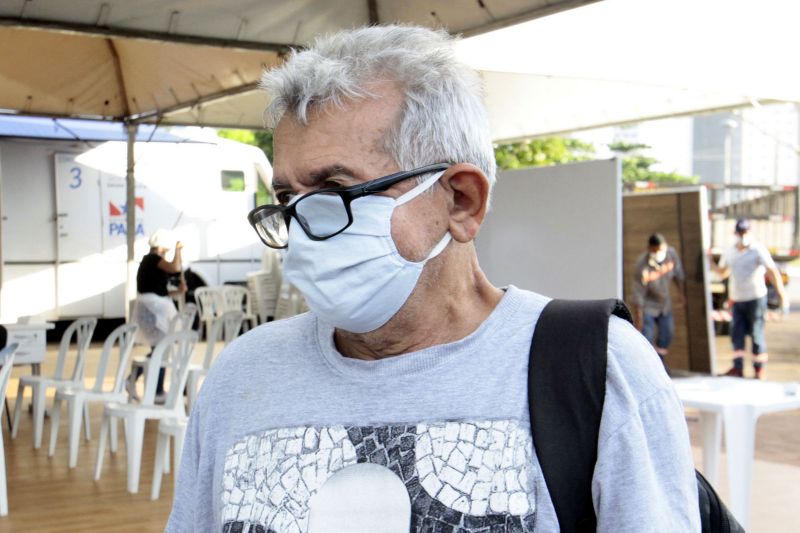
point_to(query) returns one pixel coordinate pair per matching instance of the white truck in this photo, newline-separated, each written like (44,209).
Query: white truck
(63,207)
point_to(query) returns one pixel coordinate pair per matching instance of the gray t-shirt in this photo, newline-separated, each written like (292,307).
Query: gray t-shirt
(282,411)
(651,281)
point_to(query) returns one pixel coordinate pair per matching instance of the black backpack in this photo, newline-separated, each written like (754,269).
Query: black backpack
(566,388)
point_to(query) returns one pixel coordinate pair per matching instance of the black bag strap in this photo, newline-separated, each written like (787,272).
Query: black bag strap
(566,389)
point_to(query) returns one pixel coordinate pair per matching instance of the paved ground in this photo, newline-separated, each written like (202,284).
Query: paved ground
(776,475)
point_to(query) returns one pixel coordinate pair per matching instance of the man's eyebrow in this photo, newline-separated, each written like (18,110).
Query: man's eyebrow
(315,177)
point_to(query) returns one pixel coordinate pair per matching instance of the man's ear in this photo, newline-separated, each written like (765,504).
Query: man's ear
(468,190)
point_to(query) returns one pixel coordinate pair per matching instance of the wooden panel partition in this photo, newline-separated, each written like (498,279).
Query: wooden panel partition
(680,216)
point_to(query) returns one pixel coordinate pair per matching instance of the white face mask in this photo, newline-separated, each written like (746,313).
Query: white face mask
(658,256)
(356,280)
(744,240)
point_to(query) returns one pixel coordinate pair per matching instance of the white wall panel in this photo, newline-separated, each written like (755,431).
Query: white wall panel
(556,230)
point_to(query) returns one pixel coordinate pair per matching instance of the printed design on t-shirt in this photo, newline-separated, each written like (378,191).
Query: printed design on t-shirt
(460,476)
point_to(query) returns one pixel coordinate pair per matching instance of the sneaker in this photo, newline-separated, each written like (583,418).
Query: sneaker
(759,373)
(734,372)
(130,386)
(160,399)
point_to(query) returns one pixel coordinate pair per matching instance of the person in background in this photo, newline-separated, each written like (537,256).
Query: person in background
(154,308)
(655,271)
(746,263)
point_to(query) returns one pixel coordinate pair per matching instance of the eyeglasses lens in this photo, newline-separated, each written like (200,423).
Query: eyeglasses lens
(322,215)
(272,229)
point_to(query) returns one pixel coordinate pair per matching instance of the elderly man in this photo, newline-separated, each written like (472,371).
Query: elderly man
(410,359)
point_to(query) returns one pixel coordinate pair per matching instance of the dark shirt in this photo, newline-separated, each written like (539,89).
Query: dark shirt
(150,278)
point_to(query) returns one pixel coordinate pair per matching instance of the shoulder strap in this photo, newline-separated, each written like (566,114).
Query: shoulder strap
(566,389)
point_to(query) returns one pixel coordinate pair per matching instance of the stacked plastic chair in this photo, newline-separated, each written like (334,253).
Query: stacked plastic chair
(290,302)
(236,298)
(209,305)
(265,285)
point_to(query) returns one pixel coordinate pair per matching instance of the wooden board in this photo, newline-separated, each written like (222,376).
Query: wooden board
(681,218)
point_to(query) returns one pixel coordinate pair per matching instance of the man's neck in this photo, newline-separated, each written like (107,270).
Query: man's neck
(446,306)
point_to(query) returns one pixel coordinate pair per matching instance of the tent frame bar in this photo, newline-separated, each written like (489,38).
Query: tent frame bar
(373,18)
(112,32)
(181,106)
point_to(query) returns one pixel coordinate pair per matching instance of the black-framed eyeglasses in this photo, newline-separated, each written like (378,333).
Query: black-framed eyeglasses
(330,209)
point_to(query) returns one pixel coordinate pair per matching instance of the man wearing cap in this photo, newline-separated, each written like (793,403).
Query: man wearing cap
(655,271)
(154,309)
(746,264)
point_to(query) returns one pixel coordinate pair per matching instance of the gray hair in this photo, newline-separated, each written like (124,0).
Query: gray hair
(443,119)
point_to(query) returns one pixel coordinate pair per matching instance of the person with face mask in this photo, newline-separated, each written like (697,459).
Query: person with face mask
(745,265)
(655,271)
(410,361)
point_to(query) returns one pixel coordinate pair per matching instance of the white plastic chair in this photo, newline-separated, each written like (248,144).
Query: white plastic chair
(182,321)
(78,397)
(209,304)
(168,427)
(82,330)
(180,347)
(7,357)
(226,327)
(290,302)
(235,298)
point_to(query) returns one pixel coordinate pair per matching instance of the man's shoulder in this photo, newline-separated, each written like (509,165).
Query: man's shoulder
(762,251)
(529,301)
(268,344)
(633,365)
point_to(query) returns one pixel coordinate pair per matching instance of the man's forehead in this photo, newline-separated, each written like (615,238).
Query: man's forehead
(350,138)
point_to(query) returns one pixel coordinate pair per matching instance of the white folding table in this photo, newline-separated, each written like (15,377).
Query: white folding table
(32,347)
(32,343)
(735,404)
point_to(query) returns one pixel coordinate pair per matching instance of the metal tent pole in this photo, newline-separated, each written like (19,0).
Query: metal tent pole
(130,224)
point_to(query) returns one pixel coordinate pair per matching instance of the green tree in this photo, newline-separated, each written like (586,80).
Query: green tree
(542,152)
(636,166)
(260,138)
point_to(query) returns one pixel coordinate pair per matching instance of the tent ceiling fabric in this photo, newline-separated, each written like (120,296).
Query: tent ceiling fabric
(192,61)
(82,80)
(284,22)
(198,61)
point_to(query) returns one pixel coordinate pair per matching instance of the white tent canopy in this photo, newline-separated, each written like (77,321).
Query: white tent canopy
(199,61)
(622,61)
(192,61)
